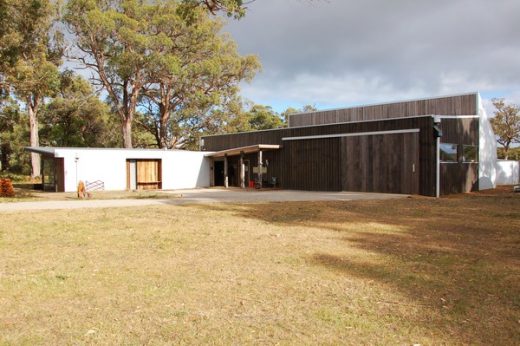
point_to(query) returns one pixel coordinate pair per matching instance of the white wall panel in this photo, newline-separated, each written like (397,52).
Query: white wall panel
(180,169)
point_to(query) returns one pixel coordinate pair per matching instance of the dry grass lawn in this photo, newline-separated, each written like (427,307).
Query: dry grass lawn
(407,271)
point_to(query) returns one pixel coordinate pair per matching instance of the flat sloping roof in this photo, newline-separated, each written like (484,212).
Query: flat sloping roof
(246,150)
(52,150)
(41,150)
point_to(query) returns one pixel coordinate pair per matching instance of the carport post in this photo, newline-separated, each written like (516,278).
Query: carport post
(259,169)
(226,181)
(242,171)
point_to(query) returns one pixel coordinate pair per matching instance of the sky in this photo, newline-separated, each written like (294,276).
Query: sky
(339,53)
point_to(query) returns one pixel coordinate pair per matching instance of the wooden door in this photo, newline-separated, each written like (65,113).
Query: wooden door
(386,163)
(148,174)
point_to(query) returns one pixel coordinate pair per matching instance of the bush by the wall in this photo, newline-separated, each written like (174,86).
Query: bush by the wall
(6,188)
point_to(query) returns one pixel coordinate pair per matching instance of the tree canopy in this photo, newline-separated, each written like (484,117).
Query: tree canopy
(162,75)
(179,66)
(30,58)
(506,124)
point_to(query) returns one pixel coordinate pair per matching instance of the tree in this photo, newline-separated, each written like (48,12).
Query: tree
(230,7)
(14,137)
(9,118)
(111,40)
(76,117)
(194,70)
(30,59)
(291,110)
(263,118)
(506,124)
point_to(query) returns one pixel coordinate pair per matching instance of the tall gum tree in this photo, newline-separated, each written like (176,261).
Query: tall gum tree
(194,69)
(110,39)
(29,59)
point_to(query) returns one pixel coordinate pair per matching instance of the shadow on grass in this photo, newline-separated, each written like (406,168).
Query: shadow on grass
(456,258)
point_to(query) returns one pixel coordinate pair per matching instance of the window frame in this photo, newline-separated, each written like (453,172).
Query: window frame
(456,159)
(464,146)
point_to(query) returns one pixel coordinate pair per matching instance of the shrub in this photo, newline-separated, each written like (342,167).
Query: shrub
(6,188)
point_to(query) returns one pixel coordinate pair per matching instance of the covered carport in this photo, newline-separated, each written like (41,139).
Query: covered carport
(223,170)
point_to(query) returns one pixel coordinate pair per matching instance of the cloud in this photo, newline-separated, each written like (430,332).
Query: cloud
(343,52)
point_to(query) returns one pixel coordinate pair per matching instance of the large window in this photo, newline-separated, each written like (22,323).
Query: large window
(469,153)
(449,152)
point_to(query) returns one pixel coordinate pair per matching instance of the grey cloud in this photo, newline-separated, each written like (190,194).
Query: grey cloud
(376,49)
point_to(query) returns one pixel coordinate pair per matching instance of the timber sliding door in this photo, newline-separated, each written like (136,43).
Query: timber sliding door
(143,174)
(387,163)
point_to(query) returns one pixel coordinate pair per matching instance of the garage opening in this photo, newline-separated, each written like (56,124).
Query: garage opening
(53,176)
(219,172)
(144,174)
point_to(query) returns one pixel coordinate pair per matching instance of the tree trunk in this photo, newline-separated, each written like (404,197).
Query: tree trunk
(506,151)
(34,138)
(164,116)
(5,152)
(127,132)
(163,133)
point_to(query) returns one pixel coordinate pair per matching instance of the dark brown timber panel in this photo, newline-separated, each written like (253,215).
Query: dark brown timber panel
(296,164)
(313,164)
(381,163)
(452,105)
(458,177)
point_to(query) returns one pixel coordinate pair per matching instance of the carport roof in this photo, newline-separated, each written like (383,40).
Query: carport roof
(41,150)
(246,150)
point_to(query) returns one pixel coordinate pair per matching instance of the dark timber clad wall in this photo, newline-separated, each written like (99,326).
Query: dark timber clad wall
(387,163)
(453,105)
(354,163)
(459,176)
(316,164)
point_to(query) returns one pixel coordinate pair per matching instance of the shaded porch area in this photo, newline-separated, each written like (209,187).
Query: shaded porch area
(250,166)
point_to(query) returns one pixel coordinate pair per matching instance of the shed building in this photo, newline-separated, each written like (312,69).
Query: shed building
(122,169)
(430,147)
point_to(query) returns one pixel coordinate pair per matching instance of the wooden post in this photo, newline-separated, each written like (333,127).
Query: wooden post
(226,180)
(242,171)
(259,169)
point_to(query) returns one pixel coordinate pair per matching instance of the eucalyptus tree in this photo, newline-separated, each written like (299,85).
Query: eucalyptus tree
(111,39)
(76,117)
(29,59)
(234,8)
(194,69)
(506,124)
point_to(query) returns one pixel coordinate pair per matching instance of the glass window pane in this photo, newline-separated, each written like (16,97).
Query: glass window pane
(449,152)
(470,153)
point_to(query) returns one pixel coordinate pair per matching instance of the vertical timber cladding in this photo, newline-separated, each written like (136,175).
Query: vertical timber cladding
(452,105)
(301,165)
(313,164)
(149,174)
(386,163)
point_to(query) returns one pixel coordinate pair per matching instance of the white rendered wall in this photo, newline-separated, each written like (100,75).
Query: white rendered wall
(180,169)
(508,172)
(487,151)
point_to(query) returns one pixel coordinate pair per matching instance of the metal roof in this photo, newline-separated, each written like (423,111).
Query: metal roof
(41,150)
(52,150)
(246,150)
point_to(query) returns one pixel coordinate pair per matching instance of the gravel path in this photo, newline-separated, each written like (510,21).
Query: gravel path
(201,196)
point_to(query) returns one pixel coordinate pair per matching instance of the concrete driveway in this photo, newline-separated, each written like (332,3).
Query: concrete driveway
(202,196)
